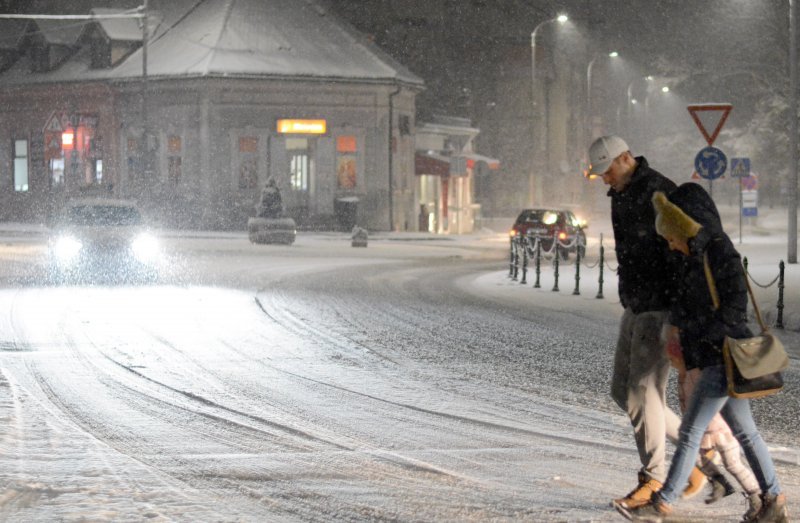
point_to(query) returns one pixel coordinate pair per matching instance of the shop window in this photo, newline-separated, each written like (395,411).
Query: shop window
(346,165)
(21,165)
(134,164)
(174,159)
(248,162)
(98,171)
(57,172)
(299,163)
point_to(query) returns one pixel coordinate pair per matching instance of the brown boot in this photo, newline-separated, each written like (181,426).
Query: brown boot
(697,480)
(654,511)
(773,509)
(640,495)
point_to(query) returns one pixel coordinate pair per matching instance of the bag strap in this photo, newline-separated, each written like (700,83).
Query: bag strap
(712,288)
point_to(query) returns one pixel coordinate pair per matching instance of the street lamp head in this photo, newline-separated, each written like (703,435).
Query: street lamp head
(665,89)
(613,54)
(562,18)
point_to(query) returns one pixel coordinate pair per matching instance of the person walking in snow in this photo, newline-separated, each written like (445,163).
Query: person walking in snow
(717,440)
(641,367)
(711,304)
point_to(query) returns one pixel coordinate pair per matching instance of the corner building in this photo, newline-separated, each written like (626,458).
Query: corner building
(233,92)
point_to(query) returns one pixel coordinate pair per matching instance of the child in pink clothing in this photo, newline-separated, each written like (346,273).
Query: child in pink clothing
(718,436)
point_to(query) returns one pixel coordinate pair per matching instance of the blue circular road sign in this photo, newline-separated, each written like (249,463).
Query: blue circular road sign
(710,163)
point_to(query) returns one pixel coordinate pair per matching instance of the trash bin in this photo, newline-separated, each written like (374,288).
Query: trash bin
(346,211)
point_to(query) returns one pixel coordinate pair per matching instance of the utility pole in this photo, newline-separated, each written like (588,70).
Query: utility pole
(147,166)
(792,254)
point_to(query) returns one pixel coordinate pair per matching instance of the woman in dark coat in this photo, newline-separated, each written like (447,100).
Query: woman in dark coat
(690,223)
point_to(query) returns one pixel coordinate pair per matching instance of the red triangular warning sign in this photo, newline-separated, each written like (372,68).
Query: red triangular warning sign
(709,116)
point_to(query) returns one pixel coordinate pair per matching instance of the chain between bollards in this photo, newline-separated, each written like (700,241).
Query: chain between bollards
(781,284)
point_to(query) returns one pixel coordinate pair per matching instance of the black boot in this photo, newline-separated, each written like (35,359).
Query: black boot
(720,487)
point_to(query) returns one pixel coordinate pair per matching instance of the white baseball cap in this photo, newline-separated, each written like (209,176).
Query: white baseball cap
(603,151)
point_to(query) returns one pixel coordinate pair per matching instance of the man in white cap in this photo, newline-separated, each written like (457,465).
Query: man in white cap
(641,366)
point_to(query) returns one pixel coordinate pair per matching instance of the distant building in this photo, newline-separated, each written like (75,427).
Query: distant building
(235,92)
(447,171)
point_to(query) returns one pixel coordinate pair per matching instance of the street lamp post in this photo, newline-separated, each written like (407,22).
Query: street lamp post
(534,181)
(589,68)
(629,92)
(792,240)
(146,149)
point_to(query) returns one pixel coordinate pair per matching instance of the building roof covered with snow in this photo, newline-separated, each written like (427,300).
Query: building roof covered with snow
(224,38)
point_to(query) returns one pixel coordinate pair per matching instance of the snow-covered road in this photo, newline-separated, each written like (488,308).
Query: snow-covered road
(319,382)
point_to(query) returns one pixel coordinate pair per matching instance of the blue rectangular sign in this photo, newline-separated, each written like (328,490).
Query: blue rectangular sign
(750,211)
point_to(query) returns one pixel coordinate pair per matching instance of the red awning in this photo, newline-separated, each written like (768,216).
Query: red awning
(430,163)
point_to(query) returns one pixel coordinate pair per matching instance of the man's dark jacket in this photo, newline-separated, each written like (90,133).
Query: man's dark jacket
(644,278)
(703,328)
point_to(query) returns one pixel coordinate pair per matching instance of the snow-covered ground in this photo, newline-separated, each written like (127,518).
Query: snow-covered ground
(411,380)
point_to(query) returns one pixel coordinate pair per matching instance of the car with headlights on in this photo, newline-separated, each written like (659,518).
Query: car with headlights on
(545,224)
(102,240)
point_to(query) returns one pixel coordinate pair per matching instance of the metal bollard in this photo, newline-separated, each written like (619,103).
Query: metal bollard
(577,290)
(524,279)
(601,263)
(555,261)
(779,322)
(538,263)
(516,258)
(511,256)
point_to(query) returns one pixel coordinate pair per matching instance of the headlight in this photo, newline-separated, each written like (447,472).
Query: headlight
(66,248)
(145,247)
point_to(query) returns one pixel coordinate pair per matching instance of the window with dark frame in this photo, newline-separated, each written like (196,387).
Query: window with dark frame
(346,162)
(248,162)
(174,159)
(299,163)
(21,165)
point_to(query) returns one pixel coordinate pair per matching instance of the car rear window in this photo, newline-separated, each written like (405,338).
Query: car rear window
(539,217)
(113,215)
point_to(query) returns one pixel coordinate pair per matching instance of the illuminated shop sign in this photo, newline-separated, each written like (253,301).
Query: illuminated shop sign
(291,126)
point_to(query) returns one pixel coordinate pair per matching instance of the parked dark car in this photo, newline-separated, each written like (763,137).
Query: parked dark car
(545,224)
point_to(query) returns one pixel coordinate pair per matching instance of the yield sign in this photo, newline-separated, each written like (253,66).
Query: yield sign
(709,116)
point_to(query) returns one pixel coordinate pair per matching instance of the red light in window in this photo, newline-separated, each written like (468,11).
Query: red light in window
(68,140)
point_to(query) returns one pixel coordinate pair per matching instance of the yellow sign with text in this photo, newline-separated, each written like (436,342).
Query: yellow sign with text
(292,126)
